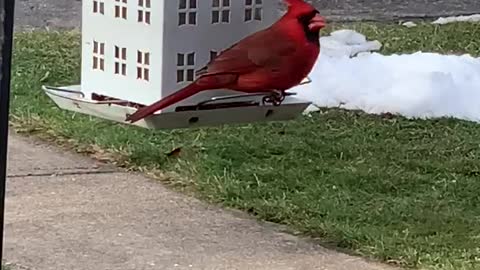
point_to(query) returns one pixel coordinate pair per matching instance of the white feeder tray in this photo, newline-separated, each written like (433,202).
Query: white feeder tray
(245,109)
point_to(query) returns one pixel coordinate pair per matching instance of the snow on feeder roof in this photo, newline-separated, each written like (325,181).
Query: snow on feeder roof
(134,52)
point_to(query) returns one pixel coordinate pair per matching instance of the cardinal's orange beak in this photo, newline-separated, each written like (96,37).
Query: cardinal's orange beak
(316,23)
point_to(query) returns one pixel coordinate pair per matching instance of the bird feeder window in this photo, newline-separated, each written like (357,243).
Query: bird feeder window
(98,6)
(144,11)
(98,55)
(213,55)
(120,60)
(253,10)
(121,9)
(185,67)
(220,11)
(187,12)
(143,65)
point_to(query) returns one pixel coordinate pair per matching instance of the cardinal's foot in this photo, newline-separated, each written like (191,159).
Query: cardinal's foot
(276,98)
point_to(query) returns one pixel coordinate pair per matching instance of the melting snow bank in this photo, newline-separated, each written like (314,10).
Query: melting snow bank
(470,18)
(418,85)
(445,20)
(347,43)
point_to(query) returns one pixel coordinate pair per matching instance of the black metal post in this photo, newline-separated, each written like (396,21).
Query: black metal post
(6,39)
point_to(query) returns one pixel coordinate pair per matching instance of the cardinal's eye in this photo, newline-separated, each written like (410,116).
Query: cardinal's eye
(314,13)
(308,16)
(305,18)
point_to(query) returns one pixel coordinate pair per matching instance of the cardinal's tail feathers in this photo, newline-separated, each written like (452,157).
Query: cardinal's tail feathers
(171,99)
(213,81)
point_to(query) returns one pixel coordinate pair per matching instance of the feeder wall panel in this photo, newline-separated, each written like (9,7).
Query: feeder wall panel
(126,34)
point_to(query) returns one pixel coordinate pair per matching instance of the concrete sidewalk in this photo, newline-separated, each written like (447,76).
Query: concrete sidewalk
(66,212)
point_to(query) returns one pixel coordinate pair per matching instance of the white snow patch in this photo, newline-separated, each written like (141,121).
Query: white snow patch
(417,85)
(469,18)
(409,24)
(347,42)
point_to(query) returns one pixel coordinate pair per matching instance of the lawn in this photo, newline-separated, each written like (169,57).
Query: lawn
(396,190)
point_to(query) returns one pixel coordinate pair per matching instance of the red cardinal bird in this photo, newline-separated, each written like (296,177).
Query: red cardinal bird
(274,59)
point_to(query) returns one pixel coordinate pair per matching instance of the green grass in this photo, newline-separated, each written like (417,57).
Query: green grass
(397,190)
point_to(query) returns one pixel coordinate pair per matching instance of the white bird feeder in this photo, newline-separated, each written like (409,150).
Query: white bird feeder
(134,52)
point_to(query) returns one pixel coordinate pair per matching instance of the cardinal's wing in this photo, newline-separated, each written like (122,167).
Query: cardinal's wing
(264,49)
